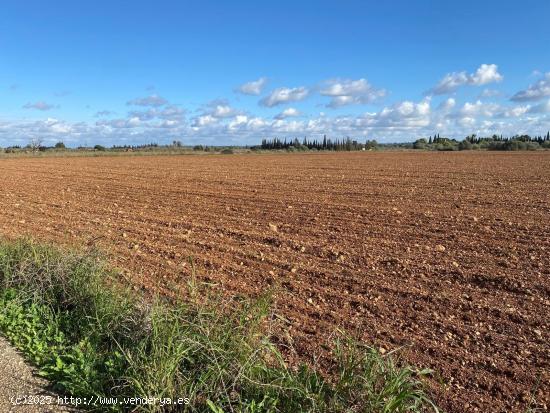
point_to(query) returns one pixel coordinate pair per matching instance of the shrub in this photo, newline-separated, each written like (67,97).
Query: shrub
(465,146)
(227,151)
(420,144)
(372,144)
(532,146)
(99,148)
(513,145)
(59,145)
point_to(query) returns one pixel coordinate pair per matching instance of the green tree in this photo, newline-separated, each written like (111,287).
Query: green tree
(420,144)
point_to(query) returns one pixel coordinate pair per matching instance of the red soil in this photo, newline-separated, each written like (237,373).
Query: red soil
(446,254)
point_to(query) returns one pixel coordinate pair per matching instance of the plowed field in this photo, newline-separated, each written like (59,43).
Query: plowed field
(446,254)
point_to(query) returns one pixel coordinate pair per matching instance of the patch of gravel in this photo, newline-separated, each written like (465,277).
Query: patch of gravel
(21,389)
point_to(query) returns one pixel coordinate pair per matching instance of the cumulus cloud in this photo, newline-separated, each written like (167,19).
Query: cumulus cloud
(536,91)
(253,88)
(348,92)
(485,74)
(151,100)
(451,81)
(288,113)
(40,105)
(247,123)
(132,122)
(284,95)
(514,112)
(220,108)
(403,115)
(480,110)
(204,120)
(447,104)
(217,122)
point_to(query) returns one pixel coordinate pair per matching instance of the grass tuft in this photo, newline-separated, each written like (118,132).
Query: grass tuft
(92,338)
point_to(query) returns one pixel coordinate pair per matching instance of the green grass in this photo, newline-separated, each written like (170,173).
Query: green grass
(67,313)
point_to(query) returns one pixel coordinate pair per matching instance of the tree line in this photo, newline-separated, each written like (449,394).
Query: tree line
(494,143)
(435,142)
(326,144)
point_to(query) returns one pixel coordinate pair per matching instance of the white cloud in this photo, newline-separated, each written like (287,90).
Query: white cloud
(483,75)
(217,122)
(169,124)
(515,112)
(284,95)
(347,92)
(479,109)
(40,105)
(223,111)
(253,88)
(404,115)
(245,123)
(151,100)
(288,113)
(536,91)
(447,104)
(220,108)
(132,122)
(204,120)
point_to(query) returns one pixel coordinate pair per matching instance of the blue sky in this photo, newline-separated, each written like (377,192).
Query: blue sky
(220,72)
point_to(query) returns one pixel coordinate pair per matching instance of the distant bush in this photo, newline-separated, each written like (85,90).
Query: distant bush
(59,145)
(371,144)
(532,146)
(227,151)
(446,147)
(420,144)
(513,145)
(198,148)
(99,148)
